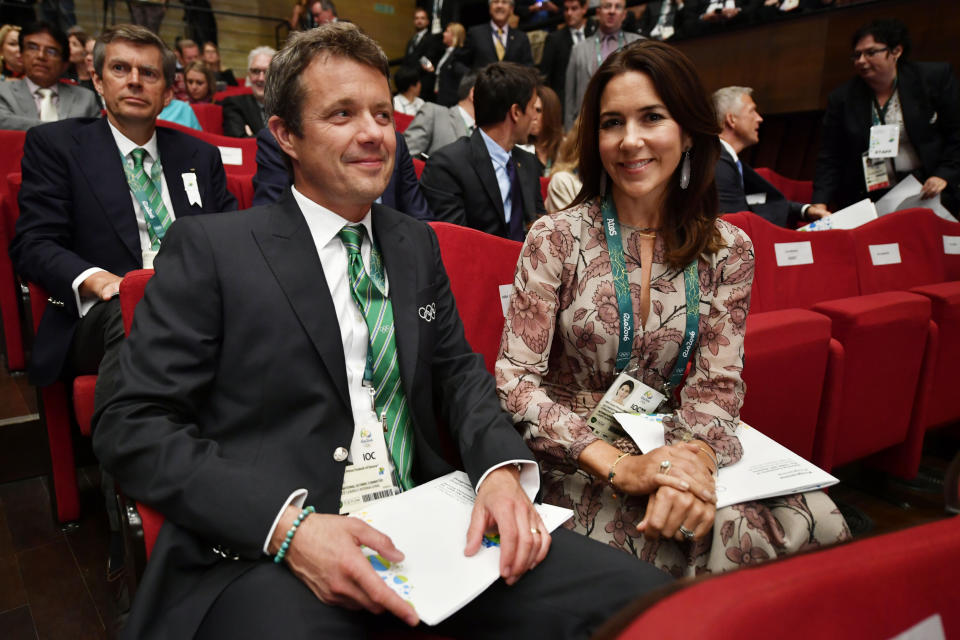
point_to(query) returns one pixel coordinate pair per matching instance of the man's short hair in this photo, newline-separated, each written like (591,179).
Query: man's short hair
(467,83)
(582,3)
(727,100)
(326,5)
(183,43)
(501,85)
(137,35)
(53,30)
(260,51)
(489,2)
(285,93)
(405,77)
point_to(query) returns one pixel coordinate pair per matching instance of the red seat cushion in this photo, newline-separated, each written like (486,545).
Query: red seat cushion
(83,387)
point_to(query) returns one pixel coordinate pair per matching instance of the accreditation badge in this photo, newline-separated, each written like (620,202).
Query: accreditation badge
(875,173)
(884,141)
(369,474)
(626,394)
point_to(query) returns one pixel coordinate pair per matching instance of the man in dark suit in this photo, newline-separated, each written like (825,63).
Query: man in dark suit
(435,126)
(739,187)
(243,115)
(272,179)
(83,223)
(495,41)
(559,44)
(442,13)
(485,181)
(244,384)
(423,46)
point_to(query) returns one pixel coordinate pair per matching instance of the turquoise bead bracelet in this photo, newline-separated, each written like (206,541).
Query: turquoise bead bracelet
(293,529)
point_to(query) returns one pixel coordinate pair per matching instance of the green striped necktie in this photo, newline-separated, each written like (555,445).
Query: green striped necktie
(383,369)
(145,187)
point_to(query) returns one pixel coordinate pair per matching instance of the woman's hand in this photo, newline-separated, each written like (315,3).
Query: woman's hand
(932,187)
(641,475)
(669,509)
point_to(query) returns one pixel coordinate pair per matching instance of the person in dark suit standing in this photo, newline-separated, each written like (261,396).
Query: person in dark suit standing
(422,53)
(246,369)
(663,20)
(97,198)
(921,98)
(739,187)
(273,179)
(495,41)
(484,181)
(559,44)
(243,115)
(442,13)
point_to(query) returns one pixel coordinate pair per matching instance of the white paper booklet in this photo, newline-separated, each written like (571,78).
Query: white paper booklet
(429,525)
(766,470)
(859,213)
(906,195)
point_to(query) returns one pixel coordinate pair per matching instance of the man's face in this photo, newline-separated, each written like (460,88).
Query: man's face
(320,16)
(257,75)
(189,54)
(43,59)
(746,123)
(132,84)
(345,157)
(525,120)
(500,11)
(574,14)
(610,15)
(420,20)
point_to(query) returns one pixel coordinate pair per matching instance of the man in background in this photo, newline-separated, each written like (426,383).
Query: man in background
(243,115)
(436,126)
(560,43)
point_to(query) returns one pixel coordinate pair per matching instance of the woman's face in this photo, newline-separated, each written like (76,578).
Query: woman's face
(11,50)
(88,56)
(536,124)
(622,393)
(77,52)
(447,37)
(875,60)
(197,87)
(211,56)
(640,143)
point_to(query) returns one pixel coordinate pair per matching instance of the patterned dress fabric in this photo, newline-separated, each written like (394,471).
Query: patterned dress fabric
(557,358)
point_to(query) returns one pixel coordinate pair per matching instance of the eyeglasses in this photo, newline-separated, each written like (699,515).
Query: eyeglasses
(868,53)
(257,72)
(612,6)
(35,48)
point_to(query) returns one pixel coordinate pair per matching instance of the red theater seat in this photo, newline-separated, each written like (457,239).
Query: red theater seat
(401,121)
(796,190)
(210,116)
(418,166)
(239,154)
(9,283)
(232,91)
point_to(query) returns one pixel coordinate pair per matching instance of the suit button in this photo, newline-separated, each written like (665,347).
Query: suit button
(340,454)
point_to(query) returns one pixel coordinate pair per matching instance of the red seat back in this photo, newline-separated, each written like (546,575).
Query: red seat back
(210,116)
(478,264)
(232,91)
(239,155)
(796,190)
(401,121)
(909,234)
(11,153)
(949,238)
(418,166)
(241,186)
(544,185)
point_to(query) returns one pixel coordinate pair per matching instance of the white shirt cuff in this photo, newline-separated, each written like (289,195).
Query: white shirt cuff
(529,476)
(84,305)
(297,498)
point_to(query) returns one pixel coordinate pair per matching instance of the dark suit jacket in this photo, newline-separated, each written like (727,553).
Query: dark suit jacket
(449,11)
(733,195)
(651,16)
(480,50)
(931,113)
(449,76)
(429,47)
(272,179)
(239,111)
(77,213)
(249,392)
(556,56)
(461,187)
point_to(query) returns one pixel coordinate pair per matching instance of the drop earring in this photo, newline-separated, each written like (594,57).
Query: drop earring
(685,170)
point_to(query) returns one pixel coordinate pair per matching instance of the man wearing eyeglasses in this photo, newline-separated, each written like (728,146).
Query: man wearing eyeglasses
(243,115)
(38,97)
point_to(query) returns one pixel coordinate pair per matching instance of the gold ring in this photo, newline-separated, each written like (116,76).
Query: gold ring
(535,531)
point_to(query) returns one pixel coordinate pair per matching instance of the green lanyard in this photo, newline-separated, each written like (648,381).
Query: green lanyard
(379,281)
(149,214)
(620,40)
(621,285)
(880,115)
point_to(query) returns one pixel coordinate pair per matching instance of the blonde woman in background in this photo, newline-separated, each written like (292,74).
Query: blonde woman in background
(450,67)
(565,181)
(12,63)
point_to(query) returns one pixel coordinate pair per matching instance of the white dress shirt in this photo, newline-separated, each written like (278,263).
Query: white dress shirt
(324,227)
(125,145)
(408,107)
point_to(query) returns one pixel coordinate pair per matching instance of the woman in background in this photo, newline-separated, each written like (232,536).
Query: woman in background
(12,66)
(200,82)
(77,69)
(564,178)
(450,68)
(547,139)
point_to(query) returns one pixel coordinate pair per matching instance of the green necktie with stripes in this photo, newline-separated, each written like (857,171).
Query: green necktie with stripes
(383,369)
(145,189)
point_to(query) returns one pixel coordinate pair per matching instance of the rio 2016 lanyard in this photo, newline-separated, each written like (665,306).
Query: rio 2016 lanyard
(621,285)
(880,115)
(620,42)
(149,214)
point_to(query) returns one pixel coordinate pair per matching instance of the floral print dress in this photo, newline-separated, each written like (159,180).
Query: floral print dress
(557,358)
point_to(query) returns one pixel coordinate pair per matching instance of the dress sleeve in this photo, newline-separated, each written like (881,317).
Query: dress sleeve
(547,268)
(712,395)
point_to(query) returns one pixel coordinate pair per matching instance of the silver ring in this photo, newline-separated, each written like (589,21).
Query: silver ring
(665,467)
(686,533)
(535,531)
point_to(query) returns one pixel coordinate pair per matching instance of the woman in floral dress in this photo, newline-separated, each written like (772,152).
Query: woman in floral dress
(648,140)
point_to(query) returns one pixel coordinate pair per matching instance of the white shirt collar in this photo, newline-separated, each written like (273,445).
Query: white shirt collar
(324,224)
(126,145)
(506,28)
(497,153)
(33,86)
(467,118)
(726,145)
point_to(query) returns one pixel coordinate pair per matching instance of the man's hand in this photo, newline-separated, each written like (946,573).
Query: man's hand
(730,12)
(325,554)
(102,284)
(933,186)
(817,211)
(502,502)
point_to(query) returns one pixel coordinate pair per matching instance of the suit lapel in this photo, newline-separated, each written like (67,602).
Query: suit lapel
(97,156)
(402,276)
(483,165)
(66,96)
(27,103)
(459,128)
(526,192)
(911,108)
(176,161)
(287,246)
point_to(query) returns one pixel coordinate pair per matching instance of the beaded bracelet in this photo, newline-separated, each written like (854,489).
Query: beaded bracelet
(293,529)
(612,473)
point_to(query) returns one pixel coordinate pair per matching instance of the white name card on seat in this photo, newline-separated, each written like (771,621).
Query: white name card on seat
(506,290)
(951,245)
(231,155)
(793,253)
(881,254)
